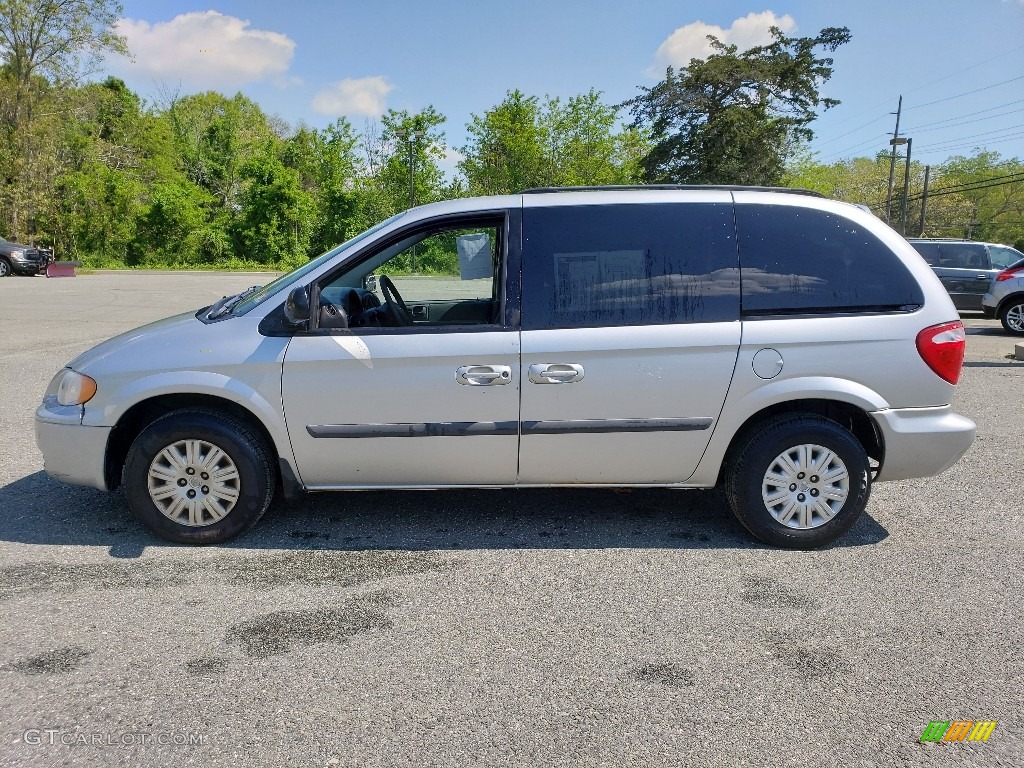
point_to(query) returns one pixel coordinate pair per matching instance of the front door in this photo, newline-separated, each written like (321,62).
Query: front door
(410,376)
(630,334)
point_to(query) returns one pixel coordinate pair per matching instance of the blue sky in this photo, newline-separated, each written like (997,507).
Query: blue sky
(958,63)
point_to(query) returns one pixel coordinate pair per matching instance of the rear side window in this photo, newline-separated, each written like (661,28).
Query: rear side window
(963,256)
(930,251)
(632,264)
(801,260)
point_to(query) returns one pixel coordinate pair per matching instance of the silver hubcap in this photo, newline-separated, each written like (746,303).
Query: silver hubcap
(194,482)
(1015,318)
(805,486)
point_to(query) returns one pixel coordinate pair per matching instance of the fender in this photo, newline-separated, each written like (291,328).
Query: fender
(740,407)
(189,382)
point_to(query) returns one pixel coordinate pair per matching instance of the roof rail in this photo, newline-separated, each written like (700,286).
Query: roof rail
(646,187)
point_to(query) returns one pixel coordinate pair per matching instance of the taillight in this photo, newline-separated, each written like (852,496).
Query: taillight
(1009,273)
(942,347)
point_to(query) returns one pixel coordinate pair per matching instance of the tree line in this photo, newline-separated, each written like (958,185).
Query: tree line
(208,180)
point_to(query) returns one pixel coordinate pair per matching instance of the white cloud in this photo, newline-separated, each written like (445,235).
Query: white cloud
(366,96)
(690,41)
(206,49)
(449,164)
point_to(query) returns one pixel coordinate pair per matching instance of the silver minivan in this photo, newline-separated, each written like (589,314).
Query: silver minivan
(786,347)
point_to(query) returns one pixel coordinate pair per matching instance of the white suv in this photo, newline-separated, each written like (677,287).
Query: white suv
(790,348)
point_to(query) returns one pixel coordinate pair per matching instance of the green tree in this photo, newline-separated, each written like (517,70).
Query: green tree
(276,214)
(523,142)
(328,168)
(505,152)
(734,118)
(992,190)
(45,46)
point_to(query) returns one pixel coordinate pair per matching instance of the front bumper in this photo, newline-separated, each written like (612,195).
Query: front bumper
(28,266)
(921,442)
(72,453)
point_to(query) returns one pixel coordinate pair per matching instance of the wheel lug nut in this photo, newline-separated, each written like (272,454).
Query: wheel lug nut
(191,494)
(182,482)
(800,476)
(799,497)
(792,487)
(814,478)
(204,476)
(190,471)
(205,489)
(814,492)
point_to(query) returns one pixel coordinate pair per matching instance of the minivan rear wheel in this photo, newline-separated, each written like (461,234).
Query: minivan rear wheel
(1012,316)
(198,477)
(799,481)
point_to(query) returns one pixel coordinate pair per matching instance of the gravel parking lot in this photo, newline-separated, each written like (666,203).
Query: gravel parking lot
(530,628)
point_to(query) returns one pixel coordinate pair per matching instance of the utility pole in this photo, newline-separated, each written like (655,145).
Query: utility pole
(892,160)
(906,189)
(924,199)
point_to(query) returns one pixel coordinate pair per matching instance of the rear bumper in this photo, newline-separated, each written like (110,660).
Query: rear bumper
(990,312)
(72,453)
(921,442)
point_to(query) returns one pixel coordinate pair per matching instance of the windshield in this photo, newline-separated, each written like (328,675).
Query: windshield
(274,286)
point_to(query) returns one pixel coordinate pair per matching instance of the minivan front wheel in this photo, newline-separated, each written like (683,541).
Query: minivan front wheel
(1012,316)
(198,477)
(799,481)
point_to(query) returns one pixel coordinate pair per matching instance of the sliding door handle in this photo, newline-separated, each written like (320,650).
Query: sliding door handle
(555,373)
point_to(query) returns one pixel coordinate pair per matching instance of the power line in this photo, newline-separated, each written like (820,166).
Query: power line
(981,181)
(970,186)
(872,140)
(943,192)
(959,71)
(844,135)
(968,93)
(966,69)
(938,127)
(970,144)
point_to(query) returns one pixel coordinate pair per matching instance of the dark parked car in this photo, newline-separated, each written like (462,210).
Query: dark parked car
(966,268)
(18,259)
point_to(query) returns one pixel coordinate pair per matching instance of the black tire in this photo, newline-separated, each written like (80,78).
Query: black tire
(748,482)
(5,268)
(247,465)
(1011,316)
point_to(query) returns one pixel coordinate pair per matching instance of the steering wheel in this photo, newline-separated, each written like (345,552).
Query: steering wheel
(394,305)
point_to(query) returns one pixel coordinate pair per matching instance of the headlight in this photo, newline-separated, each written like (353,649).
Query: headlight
(17,254)
(75,388)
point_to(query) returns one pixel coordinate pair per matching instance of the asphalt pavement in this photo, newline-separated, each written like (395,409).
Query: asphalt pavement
(522,628)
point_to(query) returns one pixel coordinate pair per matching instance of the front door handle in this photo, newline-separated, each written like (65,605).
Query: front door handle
(483,375)
(555,373)
(983,277)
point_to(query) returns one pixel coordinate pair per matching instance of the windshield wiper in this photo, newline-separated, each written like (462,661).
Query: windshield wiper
(225,303)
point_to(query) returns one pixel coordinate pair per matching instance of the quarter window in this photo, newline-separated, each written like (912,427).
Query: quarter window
(804,260)
(1003,257)
(632,264)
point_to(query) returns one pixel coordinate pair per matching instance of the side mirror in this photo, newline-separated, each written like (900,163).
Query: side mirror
(296,308)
